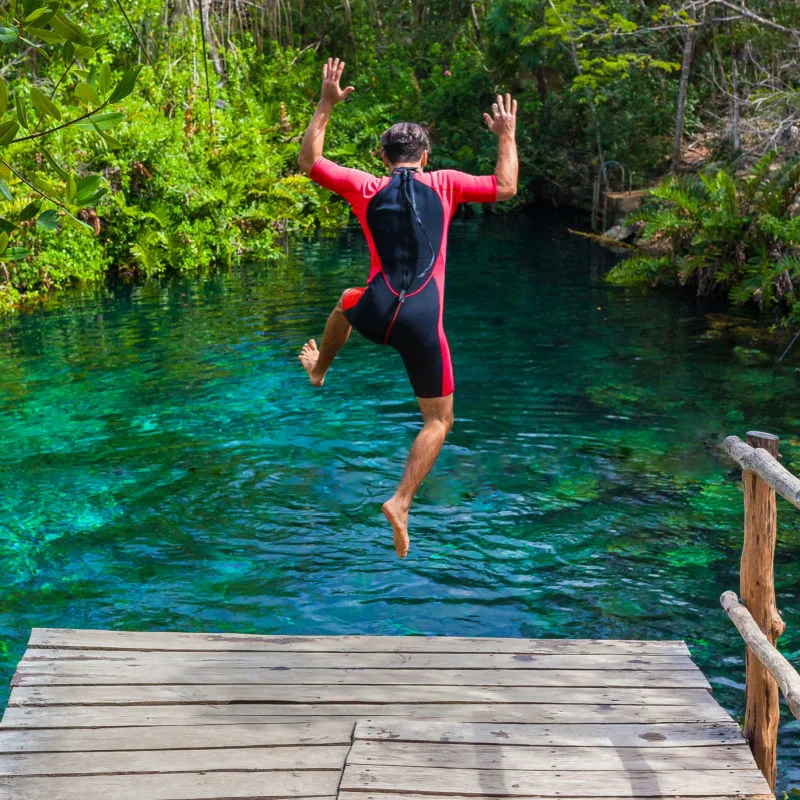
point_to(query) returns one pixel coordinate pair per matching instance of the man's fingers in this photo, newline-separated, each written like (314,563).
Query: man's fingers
(495,110)
(487,119)
(348,91)
(514,108)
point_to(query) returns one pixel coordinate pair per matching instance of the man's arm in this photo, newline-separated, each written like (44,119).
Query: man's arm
(503,123)
(314,138)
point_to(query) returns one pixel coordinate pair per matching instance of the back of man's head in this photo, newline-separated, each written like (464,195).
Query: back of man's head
(404,143)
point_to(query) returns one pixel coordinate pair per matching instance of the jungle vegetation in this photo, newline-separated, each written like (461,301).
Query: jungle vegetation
(140,137)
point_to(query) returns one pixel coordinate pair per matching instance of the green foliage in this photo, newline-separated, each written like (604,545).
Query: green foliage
(721,232)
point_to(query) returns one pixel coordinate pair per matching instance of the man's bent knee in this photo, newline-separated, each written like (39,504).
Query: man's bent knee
(438,409)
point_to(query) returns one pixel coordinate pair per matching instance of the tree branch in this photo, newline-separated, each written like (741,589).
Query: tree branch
(35,189)
(58,127)
(745,12)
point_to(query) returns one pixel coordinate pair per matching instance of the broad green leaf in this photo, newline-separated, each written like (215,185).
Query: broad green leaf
(110,141)
(36,13)
(43,104)
(30,210)
(68,51)
(98,40)
(125,86)
(71,187)
(3,97)
(68,28)
(16,253)
(8,130)
(3,242)
(22,114)
(6,226)
(8,35)
(62,173)
(85,52)
(49,37)
(45,187)
(89,183)
(5,191)
(85,92)
(73,221)
(104,78)
(101,122)
(89,199)
(48,221)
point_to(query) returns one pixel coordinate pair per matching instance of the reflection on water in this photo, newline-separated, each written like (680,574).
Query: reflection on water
(166,465)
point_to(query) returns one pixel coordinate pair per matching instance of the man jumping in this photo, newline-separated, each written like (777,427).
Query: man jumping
(405,217)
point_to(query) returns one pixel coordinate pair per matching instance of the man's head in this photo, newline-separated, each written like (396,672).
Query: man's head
(405,143)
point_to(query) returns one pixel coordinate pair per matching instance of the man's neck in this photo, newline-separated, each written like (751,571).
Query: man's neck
(404,165)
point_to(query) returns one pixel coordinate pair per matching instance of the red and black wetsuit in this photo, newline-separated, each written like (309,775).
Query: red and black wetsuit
(405,217)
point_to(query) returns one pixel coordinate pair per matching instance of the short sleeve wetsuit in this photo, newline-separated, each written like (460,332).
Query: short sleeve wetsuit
(405,217)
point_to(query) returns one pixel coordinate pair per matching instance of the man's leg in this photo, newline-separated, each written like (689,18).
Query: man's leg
(437,416)
(318,361)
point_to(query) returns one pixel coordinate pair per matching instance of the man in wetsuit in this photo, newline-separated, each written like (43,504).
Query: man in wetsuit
(405,217)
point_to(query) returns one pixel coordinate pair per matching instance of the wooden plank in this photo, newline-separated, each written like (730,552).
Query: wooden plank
(116,716)
(182,695)
(305,757)
(511,757)
(355,660)
(511,783)
(449,796)
(56,637)
(99,673)
(170,737)
(317,784)
(568,735)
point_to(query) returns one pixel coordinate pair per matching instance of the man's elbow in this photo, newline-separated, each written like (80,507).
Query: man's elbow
(306,164)
(506,192)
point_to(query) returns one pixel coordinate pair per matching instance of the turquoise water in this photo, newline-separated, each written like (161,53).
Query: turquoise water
(166,465)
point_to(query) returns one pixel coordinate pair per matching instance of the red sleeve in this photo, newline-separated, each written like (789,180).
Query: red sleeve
(342,180)
(472,188)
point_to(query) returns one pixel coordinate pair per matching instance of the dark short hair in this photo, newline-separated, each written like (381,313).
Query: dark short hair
(405,141)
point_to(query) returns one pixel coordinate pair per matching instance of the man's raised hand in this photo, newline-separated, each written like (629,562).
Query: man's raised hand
(331,75)
(504,116)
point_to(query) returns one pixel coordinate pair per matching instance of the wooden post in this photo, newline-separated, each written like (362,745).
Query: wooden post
(757,590)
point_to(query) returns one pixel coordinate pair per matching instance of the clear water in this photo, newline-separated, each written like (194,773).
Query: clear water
(166,465)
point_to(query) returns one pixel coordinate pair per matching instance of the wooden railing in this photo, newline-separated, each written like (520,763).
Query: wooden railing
(756,617)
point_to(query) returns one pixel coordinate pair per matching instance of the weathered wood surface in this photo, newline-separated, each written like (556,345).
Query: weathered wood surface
(551,783)
(589,735)
(241,713)
(234,642)
(100,673)
(369,795)
(757,459)
(96,715)
(782,671)
(43,657)
(126,695)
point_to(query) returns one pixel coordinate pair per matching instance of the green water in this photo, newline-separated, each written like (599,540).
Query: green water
(164,463)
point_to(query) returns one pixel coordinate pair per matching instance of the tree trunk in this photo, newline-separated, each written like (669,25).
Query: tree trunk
(686,66)
(735,140)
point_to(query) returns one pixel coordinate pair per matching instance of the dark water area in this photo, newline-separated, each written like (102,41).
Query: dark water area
(165,465)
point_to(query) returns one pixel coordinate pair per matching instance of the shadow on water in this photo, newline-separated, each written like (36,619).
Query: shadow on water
(166,466)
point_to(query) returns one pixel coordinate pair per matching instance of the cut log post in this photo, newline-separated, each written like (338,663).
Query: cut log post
(757,590)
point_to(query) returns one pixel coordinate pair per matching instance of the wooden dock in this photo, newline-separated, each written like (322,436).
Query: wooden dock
(99,715)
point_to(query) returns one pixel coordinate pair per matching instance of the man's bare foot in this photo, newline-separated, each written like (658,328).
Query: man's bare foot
(309,356)
(398,517)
